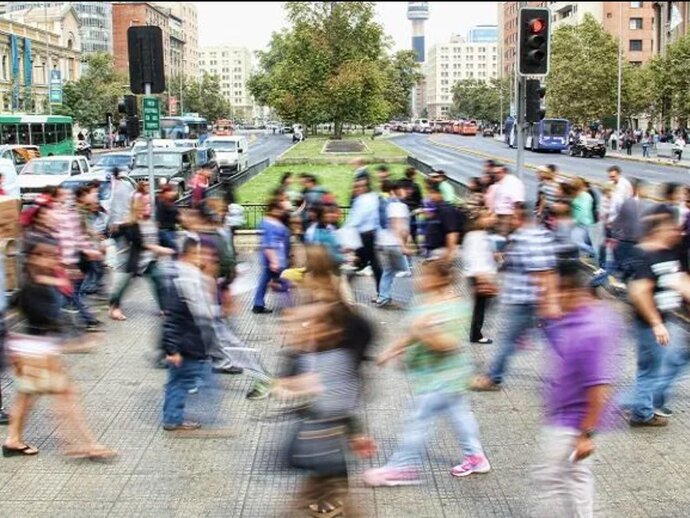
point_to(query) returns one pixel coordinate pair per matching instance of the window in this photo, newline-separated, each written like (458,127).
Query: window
(37,134)
(23,134)
(635,23)
(636,63)
(50,134)
(635,5)
(635,45)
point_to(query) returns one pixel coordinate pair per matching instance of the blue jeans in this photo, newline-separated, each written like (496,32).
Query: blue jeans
(517,319)
(168,239)
(180,380)
(77,300)
(675,363)
(650,358)
(583,236)
(266,276)
(93,281)
(624,255)
(393,261)
(428,407)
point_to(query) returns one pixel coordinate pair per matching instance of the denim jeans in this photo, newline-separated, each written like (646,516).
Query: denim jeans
(77,300)
(650,358)
(428,407)
(675,363)
(565,488)
(168,239)
(624,255)
(93,281)
(517,319)
(152,272)
(584,238)
(393,261)
(180,380)
(267,275)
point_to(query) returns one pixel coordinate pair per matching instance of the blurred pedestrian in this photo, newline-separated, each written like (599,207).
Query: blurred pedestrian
(167,217)
(413,200)
(441,225)
(433,350)
(4,418)
(142,196)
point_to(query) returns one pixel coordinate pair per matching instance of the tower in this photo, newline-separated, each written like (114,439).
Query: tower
(418,13)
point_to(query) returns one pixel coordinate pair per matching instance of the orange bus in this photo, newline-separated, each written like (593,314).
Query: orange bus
(223,128)
(457,126)
(468,128)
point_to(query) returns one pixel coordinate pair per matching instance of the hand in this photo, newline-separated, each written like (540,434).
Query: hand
(174,359)
(364,447)
(387,356)
(661,334)
(584,447)
(273,267)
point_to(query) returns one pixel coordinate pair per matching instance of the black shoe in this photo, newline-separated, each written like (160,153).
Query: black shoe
(260,310)
(4,418)
(95,326)
(228,370)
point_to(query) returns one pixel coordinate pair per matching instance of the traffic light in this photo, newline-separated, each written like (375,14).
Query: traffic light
(533,41)
(534,93)
(132,127)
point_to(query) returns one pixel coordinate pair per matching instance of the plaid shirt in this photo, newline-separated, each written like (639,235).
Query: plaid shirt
(529,250)
(70,235)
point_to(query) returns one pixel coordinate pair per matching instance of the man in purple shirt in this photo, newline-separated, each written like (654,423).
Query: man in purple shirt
(583,345)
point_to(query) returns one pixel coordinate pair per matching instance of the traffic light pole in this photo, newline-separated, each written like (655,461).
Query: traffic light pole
(520,122)
(149,161)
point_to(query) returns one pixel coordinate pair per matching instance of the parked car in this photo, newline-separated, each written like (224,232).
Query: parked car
(231,153)
(49,171)
(19,155)
(109,161)
(105,191)
(488,132)
(173,166)
(587,147)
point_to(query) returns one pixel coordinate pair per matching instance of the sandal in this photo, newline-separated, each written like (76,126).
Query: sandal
(26,450)
(117,314)
(326,509)
(95,453)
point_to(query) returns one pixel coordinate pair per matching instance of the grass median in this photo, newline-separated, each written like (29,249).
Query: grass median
(310,152)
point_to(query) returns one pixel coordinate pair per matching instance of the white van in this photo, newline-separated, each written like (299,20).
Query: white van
(231,153)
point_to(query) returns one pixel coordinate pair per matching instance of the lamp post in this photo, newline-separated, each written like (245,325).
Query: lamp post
(48,68)
(620,70)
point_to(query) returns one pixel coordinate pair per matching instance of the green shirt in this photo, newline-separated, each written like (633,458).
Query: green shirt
(432,371)
(583,209)
(447,191)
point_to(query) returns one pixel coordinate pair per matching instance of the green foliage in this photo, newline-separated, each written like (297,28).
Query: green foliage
(95,93)
(331,66)
(477,99)
(669,77)
(202,96)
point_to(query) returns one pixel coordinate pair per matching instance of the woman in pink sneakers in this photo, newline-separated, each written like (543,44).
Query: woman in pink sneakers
(440,369)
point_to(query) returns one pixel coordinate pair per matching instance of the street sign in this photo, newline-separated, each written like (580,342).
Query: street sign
(55,87)
(152,117)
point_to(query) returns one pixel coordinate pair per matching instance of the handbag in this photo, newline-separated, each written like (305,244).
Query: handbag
(37,365)
(319,445)
(486,286)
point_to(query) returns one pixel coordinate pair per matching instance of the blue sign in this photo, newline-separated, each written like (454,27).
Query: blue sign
(14,54)
(27,62)
(55,87)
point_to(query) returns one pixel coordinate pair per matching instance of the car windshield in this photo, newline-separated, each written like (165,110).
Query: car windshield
(222,145)
(159,160)
(47,167)
(112,161)
(555,128)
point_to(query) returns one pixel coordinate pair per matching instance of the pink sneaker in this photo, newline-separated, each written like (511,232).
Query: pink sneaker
(472,464)
(391,477)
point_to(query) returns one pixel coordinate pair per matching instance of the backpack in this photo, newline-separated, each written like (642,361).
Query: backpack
(383,212)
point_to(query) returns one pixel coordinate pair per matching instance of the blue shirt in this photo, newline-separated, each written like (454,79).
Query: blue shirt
(364,215)
(275,236)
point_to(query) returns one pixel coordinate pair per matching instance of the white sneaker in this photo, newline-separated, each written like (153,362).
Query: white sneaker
(404,274)
(365,272)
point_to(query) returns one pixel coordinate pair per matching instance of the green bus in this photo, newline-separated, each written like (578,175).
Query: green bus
(51,133)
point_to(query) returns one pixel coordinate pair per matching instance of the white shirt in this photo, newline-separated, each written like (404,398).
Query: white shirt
(622,192)
(478,254)
(508,192)
(394,210)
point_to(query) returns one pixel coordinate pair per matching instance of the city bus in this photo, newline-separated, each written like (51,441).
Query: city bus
(187,127)
(546,135)
(223,128)
(51,133)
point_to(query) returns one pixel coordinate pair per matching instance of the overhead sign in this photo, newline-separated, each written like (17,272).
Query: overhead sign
(152,114)
(55,87)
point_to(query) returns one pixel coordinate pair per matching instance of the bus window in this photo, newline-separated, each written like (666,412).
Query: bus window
(51,135)
(24,136)
(63,132)
(37,138)
(9,134)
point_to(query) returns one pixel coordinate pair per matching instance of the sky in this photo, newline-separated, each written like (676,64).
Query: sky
(250,24)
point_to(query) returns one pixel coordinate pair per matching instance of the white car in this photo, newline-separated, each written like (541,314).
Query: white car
(231,153)
(44,172)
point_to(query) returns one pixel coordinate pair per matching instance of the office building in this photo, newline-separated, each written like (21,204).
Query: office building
(483,34)
(233,66)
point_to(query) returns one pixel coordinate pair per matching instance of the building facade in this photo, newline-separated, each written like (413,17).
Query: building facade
(187,13)
(454,61)
(27,56)
(177,44)
(483,34)
(127,14)
(96,22)
(671,22)
(233,66)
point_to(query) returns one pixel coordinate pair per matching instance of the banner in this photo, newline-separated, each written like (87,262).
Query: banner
(27,62)
(14,55)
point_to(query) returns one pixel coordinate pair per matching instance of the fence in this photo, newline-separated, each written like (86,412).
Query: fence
(461,190)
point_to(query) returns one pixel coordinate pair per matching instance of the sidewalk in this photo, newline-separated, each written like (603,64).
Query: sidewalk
(240,474)
(653,159)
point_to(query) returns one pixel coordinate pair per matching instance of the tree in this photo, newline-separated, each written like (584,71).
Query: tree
(202,96)
(583,77)
(329,66)
(96,93)
(669,77)
(477,99)
(403,74)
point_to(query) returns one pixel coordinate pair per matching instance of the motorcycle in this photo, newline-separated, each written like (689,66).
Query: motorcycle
(84,149)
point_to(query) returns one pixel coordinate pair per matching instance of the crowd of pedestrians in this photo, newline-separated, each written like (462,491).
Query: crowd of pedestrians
(530,258)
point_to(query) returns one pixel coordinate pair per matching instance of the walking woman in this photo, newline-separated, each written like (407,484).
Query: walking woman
(480,269)
(440,368)
(144,250)
(35,357)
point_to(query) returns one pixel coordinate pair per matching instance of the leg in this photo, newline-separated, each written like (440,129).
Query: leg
(518,318)
(465,425)
(260,296)
(650,356)
(675,362)
(477,314)
(387,277)
(156,277)
(415,432)
(120,291)
(82,307)
(18,415)
(179,380)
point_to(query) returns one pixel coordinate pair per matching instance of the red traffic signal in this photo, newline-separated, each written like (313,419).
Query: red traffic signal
(537,25)
(533,41)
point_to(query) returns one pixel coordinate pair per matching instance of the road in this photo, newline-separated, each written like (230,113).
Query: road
(263,145)
(462,158)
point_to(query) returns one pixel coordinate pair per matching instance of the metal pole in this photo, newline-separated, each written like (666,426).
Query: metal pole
(149,152)
(49,70)
(181,90)
(620,70)
(519,122)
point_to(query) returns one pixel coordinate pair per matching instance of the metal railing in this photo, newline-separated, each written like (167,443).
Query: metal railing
(461,190)
(254,213)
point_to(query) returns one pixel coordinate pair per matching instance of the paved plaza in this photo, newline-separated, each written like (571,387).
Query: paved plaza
(235,468)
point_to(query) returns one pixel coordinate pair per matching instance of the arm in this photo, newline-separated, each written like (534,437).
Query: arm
(548,283)
(435,339)
(395,349)
(642,296)
(597,397)
(451,244)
